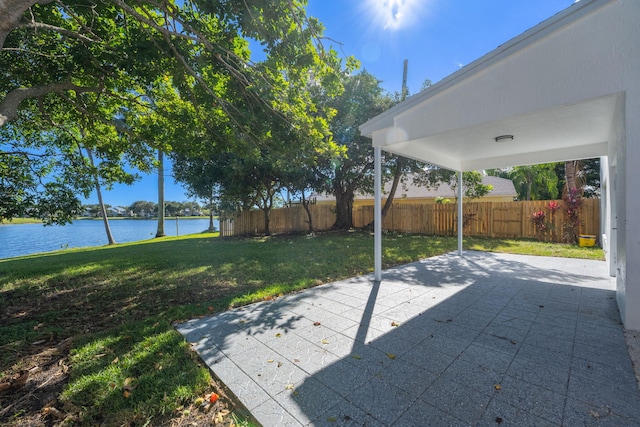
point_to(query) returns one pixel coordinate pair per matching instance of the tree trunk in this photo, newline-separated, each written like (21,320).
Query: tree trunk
(211,198)
(266,215)
(400,161)
(344,209)
(103,209)
(160,231)
(570,175)
(305,205)
(211,226)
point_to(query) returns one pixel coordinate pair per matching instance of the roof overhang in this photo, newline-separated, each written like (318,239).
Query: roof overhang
(534,87)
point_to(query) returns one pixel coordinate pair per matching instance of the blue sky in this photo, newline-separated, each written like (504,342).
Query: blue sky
(437,37)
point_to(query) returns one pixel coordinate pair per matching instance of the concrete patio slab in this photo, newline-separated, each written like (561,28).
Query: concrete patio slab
(486,339)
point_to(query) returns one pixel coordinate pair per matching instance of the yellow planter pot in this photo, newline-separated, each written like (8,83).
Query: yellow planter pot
(586,240)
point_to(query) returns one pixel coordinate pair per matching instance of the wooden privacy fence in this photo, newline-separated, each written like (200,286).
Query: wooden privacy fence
(486,219)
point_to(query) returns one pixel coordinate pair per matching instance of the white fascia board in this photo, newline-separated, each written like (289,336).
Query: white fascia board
(534,34)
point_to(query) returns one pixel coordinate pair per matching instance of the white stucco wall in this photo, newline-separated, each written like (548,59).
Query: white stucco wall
(628,205)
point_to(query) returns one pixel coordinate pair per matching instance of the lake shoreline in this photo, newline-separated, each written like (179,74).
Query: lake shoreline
(19,221)
(31,238)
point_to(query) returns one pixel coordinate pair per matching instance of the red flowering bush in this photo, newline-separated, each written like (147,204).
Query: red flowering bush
(539,220)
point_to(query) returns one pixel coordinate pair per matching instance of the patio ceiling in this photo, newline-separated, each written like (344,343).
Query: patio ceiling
(575,131)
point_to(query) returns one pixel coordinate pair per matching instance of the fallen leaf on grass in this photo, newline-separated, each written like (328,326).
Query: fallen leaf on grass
(218,418)
(15,383)
(55,412)
(129,386)
(116,360)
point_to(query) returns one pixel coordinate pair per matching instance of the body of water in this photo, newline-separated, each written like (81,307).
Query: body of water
(25,239)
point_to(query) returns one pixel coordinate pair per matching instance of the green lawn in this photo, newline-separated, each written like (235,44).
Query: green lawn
(118,305)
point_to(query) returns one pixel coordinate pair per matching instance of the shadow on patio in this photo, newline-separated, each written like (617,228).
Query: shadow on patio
(487,339)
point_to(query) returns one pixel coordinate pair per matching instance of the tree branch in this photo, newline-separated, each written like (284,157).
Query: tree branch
(63,31)
(82,109)
(30,52)
(11,12)
(13,99)
(78,21)
(151,23)
(25,154)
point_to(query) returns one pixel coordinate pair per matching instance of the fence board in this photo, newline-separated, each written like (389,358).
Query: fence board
(483,219)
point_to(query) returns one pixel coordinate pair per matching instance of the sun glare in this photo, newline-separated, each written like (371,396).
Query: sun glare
(394,15)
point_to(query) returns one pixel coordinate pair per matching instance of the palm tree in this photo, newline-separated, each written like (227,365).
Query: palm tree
(160,231)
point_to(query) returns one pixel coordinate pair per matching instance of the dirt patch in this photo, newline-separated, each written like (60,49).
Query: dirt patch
(29,394)
(633,343)
(29,390)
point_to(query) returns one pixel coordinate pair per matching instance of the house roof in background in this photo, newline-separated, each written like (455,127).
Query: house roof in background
(409,190)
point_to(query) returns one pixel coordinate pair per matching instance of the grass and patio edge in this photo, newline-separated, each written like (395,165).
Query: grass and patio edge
(118,305)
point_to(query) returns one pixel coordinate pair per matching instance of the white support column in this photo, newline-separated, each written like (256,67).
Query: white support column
(460,214)
(377,213)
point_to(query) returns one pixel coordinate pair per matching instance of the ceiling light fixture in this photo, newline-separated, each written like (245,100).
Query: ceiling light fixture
(503,138)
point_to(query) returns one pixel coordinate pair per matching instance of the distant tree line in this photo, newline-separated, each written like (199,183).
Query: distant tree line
(143,209)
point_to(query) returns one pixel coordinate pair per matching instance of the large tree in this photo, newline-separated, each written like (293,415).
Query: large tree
(362,99)
(99,59)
